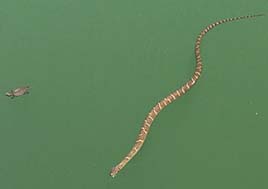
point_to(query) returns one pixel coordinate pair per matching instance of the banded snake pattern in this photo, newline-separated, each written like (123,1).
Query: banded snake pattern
(174,95)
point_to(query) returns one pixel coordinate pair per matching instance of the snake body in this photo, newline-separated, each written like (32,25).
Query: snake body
(172,96)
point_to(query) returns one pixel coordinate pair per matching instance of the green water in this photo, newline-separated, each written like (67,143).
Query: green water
(97,67)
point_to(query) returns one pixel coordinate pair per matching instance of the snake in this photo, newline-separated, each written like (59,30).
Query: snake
(144,130)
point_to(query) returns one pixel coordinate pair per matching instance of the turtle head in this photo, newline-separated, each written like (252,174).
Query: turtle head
(9,94)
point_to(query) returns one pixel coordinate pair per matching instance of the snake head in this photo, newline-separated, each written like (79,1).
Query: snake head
(114,171)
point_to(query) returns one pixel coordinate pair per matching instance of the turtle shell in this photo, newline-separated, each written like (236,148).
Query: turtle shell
(20,91)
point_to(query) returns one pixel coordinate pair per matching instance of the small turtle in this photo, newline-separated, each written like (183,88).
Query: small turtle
(18,92)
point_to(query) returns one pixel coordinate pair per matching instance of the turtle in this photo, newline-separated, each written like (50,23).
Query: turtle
(18,92)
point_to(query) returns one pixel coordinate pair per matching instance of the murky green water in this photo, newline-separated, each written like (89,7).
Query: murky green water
(97,67)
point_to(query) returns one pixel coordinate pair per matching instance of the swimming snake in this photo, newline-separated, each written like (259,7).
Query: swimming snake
(173,95)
